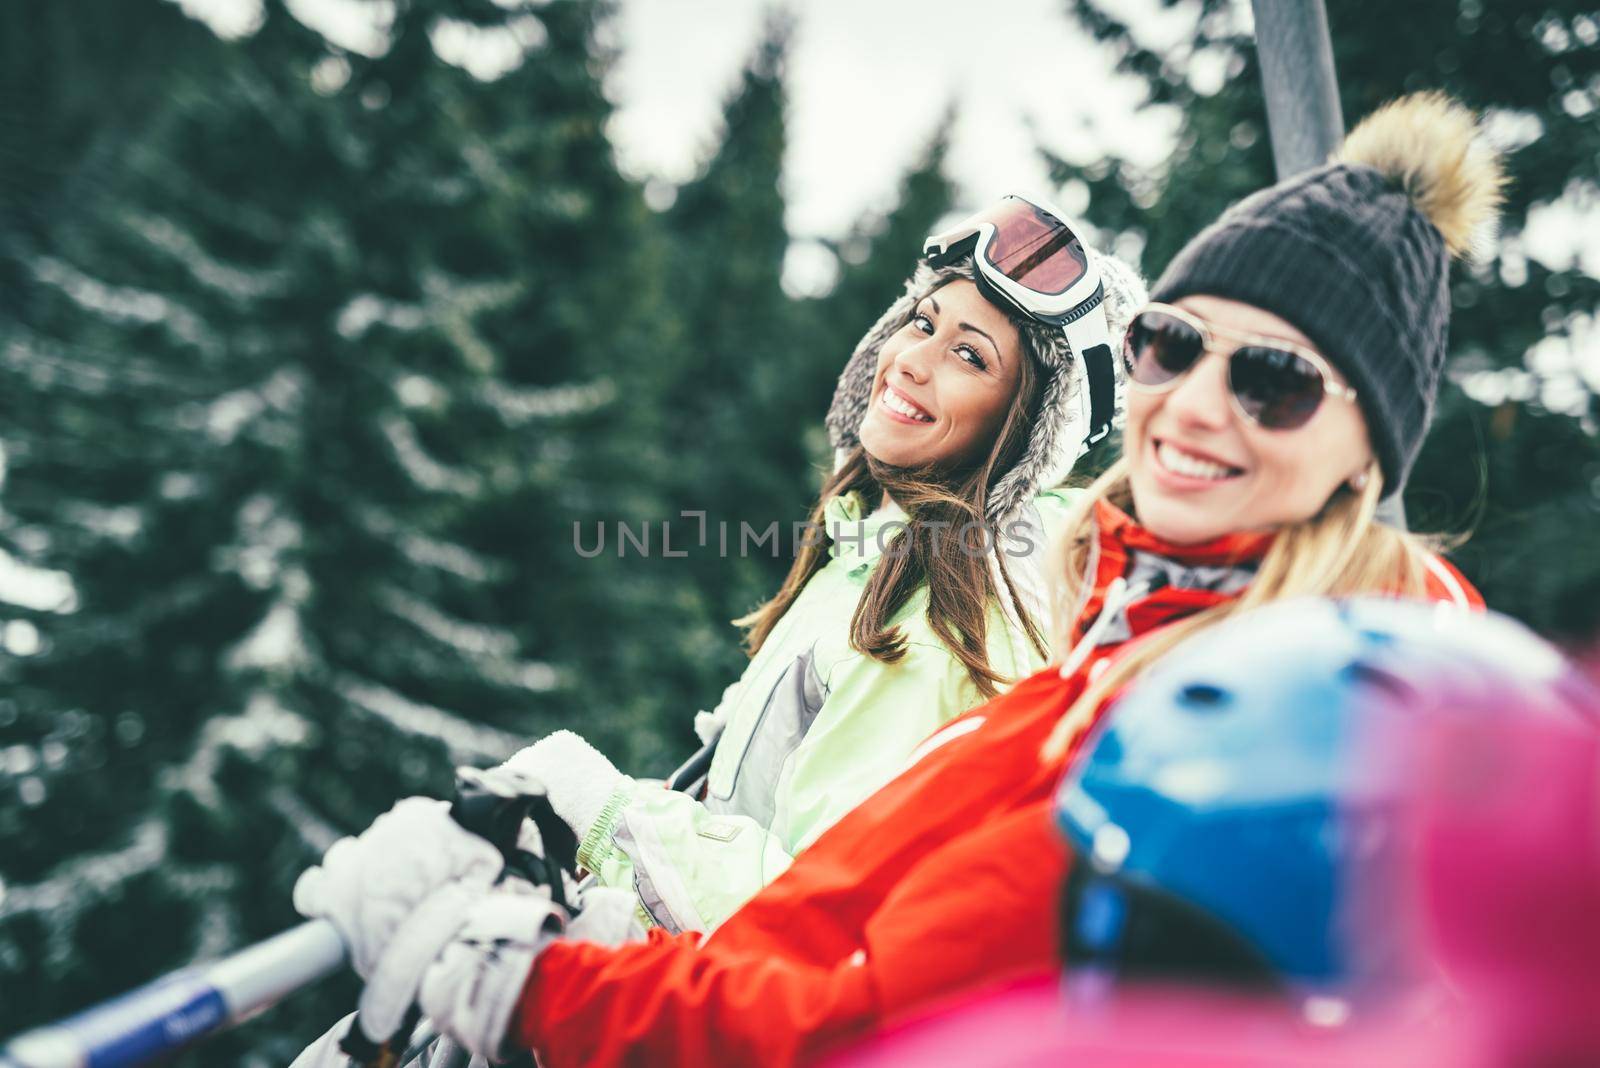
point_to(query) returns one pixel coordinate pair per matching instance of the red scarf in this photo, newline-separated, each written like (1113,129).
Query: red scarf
(1119,537)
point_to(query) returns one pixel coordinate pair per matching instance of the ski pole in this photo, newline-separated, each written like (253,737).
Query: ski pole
(185,1006)
(492,805)
(691,774)
(689,778)
(421,1041)
(193,1003)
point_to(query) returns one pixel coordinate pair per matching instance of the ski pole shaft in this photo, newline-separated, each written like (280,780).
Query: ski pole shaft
(692,772)
(190,1004)
(185,1006)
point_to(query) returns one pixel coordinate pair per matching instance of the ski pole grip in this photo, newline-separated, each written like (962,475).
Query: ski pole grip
(493,804)
(492,814)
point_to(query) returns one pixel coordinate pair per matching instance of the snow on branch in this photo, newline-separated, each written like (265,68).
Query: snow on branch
(468,299)
(45,363)
(315,833)
(76,884)
(93,875)
(422,468)
(454,304)
(230,413)
(239,283)
(472,640)
(534,676)
(466,741)
(264,725)
(36,588)
(265,549)
(365,310)
(492,650)
(123,304)
(519,406)
(448,557)
(425,551)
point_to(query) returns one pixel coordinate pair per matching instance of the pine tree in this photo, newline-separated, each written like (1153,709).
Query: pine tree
(1531,413)
(728,419)
(321,364)
(880,252)
(306,387)
(103,364)
(56,125)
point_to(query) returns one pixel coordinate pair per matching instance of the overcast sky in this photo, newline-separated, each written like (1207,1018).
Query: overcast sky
(868,81)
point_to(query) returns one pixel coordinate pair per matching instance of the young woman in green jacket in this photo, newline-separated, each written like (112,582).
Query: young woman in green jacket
(952,411)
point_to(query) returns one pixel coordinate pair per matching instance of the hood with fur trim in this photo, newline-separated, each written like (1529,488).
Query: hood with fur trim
(1056,438)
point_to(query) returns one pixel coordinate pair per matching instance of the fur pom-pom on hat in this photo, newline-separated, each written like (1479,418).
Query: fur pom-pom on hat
(1429,144)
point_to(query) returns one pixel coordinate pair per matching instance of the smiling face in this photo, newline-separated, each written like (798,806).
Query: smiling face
(944,381)
(1198,469)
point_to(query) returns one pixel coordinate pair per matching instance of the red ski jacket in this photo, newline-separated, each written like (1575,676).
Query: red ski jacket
(943,883)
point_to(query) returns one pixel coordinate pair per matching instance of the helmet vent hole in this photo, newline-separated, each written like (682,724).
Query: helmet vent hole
(1360,673)
(1203,697)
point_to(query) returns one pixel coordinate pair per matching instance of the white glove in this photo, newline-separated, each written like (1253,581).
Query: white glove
(398,895)
(707,725)
(577,777)
(471,991)
(609,917)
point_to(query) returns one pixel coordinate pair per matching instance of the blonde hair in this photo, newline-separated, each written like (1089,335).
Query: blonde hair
(1342,550)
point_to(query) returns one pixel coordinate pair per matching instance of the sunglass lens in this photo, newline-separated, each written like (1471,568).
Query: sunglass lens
(1278,389)
(1035,249)
(1160,347)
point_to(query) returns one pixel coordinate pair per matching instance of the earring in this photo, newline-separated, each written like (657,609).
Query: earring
(1359,482)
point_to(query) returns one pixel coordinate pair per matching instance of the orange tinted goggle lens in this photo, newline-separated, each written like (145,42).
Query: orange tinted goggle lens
(1033,248)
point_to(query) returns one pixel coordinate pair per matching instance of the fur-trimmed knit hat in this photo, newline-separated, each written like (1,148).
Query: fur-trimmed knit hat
(1056,438)
(1356,254)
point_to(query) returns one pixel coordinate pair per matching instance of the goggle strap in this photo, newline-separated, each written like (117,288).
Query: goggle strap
(1094,300)
(1101,381)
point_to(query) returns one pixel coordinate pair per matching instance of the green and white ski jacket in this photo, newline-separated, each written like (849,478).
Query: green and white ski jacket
(811,729)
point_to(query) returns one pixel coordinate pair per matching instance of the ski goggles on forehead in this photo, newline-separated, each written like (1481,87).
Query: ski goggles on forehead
(1028,257)
(1276,384)
(1029,254)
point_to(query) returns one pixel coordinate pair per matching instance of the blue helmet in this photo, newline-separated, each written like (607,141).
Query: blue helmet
(1235,816)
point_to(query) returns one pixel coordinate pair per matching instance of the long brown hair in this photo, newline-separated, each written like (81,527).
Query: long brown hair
(1340,551)
(928,551)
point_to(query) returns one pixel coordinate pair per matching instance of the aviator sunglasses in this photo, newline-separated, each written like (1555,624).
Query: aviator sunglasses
(1276,384)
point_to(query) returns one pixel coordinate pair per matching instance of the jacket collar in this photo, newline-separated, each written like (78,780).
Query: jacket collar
(1138,581)
(1117,531)
(856,534)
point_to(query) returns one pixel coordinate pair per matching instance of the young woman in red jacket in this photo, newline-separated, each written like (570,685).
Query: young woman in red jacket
(1278,390)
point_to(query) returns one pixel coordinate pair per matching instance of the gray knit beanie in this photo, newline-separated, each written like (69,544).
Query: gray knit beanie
(1055,438)
(1356,254)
